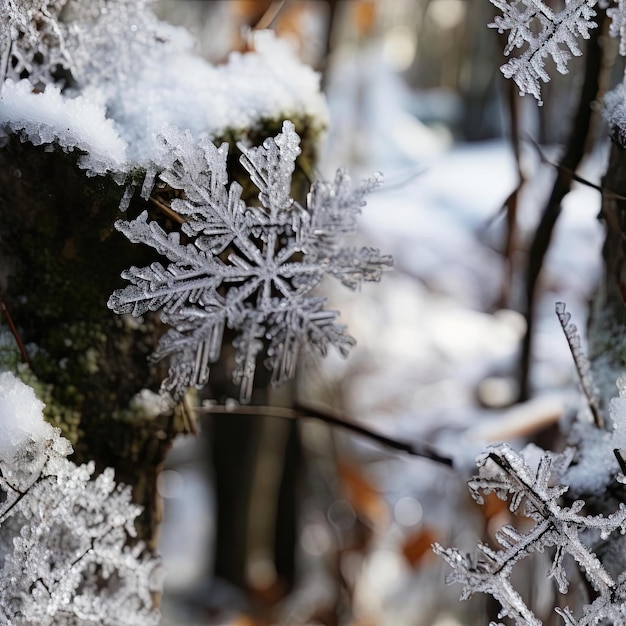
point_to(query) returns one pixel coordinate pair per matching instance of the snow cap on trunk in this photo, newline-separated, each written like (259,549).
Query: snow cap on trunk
(21,415)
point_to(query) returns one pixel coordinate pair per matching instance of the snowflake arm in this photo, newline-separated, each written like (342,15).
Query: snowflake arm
(545,33)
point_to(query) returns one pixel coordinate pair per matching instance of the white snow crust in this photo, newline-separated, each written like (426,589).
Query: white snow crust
(21,416)
(116,123)
(74,124)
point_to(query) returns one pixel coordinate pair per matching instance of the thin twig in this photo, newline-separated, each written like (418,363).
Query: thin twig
(579,179)
(165,209)
(14,332)
(333,9)
(511,204)
(620,460)
(306,411)
(270,17)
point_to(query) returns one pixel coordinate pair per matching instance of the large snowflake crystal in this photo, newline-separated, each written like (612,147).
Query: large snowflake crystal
(246,266)
(542,33)
(535,494)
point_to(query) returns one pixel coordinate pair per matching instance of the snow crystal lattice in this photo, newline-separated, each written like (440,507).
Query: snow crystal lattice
(544,33)
(65,557)
(505,472)
(86,41)
(32,44)
(248,267)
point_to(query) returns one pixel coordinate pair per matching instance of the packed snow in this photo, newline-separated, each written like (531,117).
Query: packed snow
(21,416)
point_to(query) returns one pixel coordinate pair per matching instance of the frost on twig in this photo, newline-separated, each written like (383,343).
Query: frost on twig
(246,266)
(66,557)
(535,494)
(582,363)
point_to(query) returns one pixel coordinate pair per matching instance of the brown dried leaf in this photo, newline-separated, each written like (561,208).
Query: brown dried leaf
(417,546)
(365,499)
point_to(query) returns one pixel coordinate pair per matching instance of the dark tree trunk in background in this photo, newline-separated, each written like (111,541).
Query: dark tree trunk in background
(578,142)
(235,441)
(607,328)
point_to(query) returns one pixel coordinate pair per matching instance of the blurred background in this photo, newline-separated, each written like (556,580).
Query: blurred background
(328,527)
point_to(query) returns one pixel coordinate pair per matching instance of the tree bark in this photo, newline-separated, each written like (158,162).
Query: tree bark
(607,327)
(60,258)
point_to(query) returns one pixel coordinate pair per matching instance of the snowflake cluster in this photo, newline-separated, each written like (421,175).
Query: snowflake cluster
(76,42)
(535,493)
(65,557)
(246,266)
(32,44)
(542,32)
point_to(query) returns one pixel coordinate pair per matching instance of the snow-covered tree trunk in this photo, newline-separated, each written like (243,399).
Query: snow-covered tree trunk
(60,259)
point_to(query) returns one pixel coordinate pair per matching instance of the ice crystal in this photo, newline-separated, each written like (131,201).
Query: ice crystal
(249,267)
(108,37)
(581,361)
(618,24)
(535,493)
(83,41)
(542,32)
(32,44)
(617,411)
(65,557)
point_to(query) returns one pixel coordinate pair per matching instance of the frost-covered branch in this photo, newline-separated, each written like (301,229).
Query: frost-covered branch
(533,493)
(541,32)
(582,363)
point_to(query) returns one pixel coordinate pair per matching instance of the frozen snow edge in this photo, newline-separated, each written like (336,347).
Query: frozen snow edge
(74,124)
(115,126)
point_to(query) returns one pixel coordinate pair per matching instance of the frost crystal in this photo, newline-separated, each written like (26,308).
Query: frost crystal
(65,558)
(249,267)
(31,41)
(533,494)
(618,24)
(580,360)
(83,41)
(544,33)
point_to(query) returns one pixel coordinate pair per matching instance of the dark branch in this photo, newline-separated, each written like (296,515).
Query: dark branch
(306,411)
(580,133)
(16,335)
